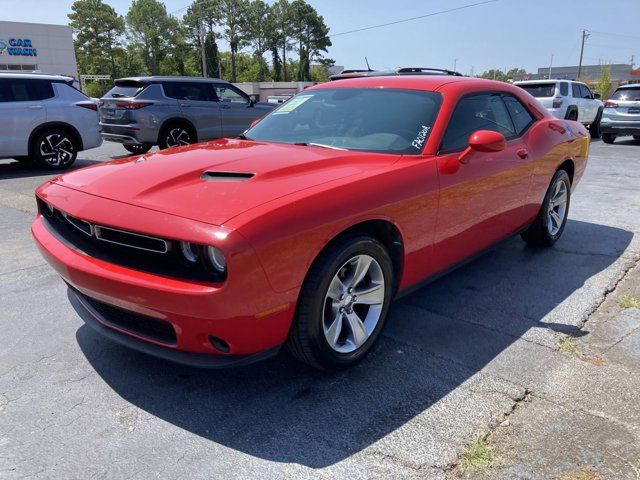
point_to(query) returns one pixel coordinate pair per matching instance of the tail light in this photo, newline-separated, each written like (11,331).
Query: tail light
(610,104)
(133,105)
(90,105)
(557,102)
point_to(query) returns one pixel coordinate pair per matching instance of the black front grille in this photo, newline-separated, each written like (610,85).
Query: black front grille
(128,249)
(131,322)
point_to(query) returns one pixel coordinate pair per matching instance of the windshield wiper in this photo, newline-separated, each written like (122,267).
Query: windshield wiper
(311,144)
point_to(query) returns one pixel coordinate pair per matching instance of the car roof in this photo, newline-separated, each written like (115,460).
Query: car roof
(356,73)
(412,82)
(629,85)
(40,76)
(154,78)
(526,82)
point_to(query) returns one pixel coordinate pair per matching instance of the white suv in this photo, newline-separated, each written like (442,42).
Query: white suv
(568,100)
(45,119)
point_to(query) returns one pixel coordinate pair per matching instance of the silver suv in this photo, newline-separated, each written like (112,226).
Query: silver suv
(621,115)
(169,111)
(45,119)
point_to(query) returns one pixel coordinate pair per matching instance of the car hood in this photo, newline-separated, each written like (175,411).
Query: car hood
(215,181)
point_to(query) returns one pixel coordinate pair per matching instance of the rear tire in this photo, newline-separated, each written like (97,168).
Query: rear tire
(594,128)
(548,226)
(636,137)
(176,134)
(608,137)
(333,328)
(138,149)
(54,149)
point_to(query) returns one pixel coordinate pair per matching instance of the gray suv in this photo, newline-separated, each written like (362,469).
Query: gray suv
(169,111)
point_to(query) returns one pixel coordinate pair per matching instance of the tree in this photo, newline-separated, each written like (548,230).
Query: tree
(258,33)
(151,31)
(232,15)
(311,34)
(200,22)
(97,29)
(281,31)
(604,83)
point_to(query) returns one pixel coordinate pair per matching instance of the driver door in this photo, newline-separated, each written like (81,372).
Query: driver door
(236,110)
(482,200)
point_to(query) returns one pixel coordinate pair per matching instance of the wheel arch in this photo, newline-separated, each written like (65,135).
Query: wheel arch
(62,125)
(570,109)
(177,120)
(568,166)
(383,230)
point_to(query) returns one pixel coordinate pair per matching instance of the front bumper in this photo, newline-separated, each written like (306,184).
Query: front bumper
(99,323)
(620,128)
(244,311)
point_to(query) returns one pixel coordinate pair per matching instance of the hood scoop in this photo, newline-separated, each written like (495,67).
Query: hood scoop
(214,176)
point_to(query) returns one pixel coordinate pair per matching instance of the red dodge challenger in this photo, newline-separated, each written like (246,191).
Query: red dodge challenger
(301,232)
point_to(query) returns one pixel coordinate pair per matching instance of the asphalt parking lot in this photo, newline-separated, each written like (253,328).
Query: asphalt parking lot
(475,353)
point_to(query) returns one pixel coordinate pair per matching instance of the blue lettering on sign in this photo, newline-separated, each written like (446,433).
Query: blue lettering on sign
(21,47)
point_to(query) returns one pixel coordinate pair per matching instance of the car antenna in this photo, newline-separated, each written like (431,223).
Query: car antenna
(367,62)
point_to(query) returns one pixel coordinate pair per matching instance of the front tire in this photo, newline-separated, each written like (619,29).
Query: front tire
(548,226)
(343,304)
(54,149)
(594,128)
(608,138)
(137,149)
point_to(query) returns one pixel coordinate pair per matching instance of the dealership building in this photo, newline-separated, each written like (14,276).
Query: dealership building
(28,47)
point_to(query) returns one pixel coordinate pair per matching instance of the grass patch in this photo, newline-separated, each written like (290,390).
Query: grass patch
(568,345)
(479,454)
(585,473)
(629,302)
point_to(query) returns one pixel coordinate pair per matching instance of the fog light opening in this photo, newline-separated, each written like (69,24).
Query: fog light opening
(219,344)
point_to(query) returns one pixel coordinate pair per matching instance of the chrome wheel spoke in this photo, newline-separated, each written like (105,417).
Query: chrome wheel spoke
(336,289)
(359,333)
(373,295)
(334,330)
(556,218)
(362,267)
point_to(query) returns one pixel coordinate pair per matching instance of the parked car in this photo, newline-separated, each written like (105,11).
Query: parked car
(621,114)
(303,230)
(170,111)
(45,119)
(568,99)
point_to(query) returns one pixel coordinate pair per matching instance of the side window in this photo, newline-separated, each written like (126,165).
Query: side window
(226,93)
(14,90)
(41,89)
(5,91)
(477,112)
(519,114)
(575,90)
(196,91)
(586,93)
(564,89)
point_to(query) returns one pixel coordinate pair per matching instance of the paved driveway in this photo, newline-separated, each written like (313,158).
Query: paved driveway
(457,358)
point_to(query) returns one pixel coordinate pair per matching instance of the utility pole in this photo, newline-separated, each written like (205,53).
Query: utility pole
(455,64)
(585,35)
(550,65)
(202,40)
(633,60)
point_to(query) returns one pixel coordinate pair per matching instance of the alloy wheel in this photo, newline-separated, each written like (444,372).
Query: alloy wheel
(557,208)
(57,150)
(353,303)
(177,136)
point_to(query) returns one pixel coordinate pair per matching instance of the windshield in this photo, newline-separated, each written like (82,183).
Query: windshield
(626,94)
(540,90)
(124,89)
(373,120)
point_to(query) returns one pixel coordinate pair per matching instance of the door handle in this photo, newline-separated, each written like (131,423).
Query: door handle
(185,105)
(523,153)
(35,107)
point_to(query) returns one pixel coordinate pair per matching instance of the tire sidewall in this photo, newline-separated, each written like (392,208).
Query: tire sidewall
(41,137)
(357,246)
(561,175)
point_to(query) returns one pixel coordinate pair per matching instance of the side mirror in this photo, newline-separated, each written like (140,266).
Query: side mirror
(251,103)
(596,96)
(483,141)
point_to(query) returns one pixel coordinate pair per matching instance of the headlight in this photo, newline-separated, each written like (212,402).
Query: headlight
(215,259)
(189,251)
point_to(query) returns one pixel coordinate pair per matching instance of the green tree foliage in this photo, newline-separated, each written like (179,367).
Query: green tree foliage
(497,74)
(604,84)
(97,29)
(158,43)
(152,31)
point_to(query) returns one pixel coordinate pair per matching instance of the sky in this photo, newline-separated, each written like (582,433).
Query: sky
(502,34)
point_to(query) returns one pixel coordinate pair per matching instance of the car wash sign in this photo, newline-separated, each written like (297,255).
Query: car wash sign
(17,47)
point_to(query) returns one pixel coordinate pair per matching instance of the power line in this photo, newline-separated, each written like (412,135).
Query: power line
(622,35)
(413,18)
